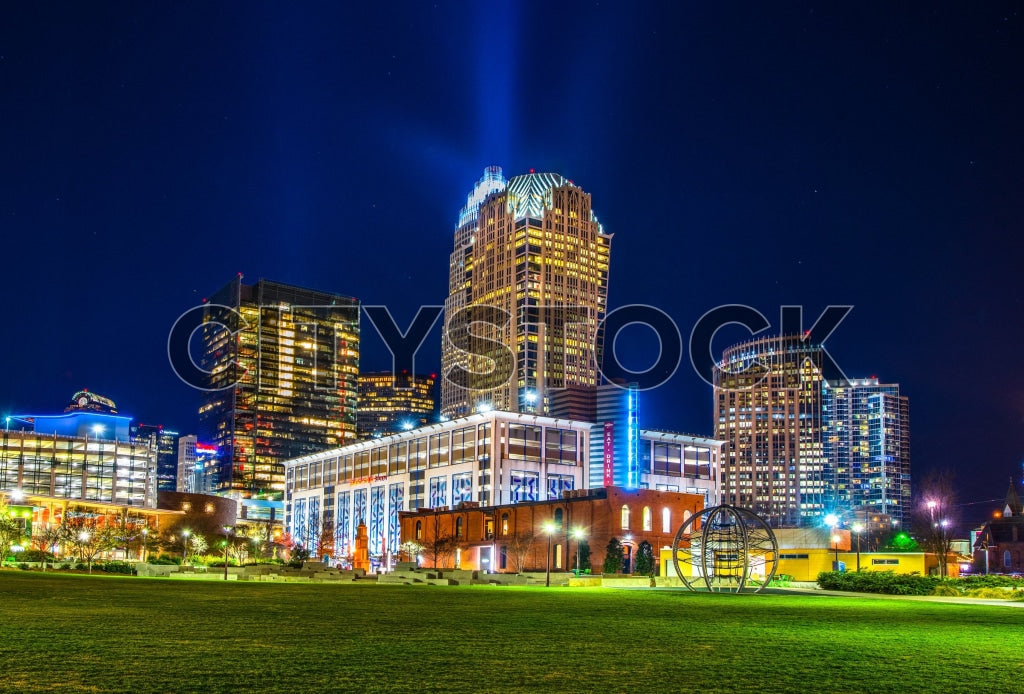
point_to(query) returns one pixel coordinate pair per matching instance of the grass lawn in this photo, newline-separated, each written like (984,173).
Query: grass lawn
(98,633)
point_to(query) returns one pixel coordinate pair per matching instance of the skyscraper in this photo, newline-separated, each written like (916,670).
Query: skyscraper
(282,364)
(528,286)
(867,446)
(166,443)
(768,411)
(389,403)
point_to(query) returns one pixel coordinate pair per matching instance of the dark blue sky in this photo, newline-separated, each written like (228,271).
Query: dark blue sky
(757,155)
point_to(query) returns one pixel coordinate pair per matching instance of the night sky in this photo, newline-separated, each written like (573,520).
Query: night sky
(757,155)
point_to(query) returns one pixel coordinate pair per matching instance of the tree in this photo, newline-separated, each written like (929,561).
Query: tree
(411,549)
(10,531)
(935,516)
(49,538)
(613,557)
(518,549)
(441,548)
(644,560)
(584,555)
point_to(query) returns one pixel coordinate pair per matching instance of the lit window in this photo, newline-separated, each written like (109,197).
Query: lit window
(648,522)
(625,517)
(666,520)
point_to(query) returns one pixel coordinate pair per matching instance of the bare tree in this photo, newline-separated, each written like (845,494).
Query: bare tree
(935,515)
(519,547)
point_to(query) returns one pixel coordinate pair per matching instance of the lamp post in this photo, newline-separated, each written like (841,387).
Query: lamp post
(145,533)
(578,536)
(549,529)
(832,520)
(227,529)
(858,528)
(942,546)
(184,546)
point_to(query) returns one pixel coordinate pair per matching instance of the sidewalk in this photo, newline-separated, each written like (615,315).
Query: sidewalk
(918,598)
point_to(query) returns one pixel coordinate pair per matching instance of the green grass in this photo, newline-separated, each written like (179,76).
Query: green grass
(82,633)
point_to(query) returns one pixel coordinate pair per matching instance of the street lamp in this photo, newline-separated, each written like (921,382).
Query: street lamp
(835,543)
(931,509)
(578,536)
(549,530)
(858,528)
(184,549)
(145,533)
(227,529)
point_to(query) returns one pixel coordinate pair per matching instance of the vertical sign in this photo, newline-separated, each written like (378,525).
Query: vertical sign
(609,454)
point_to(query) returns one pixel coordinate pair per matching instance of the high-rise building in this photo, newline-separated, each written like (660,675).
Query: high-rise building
(282,363)
(390,403)
(197,466)
(768,410)
(867,446)
(529,274)
(166,443)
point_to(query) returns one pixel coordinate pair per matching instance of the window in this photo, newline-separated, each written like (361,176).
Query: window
(558,517)
(625,517)
(666,520)
(648,522)
(489,529)
(419,530)
(458,527)
(1006,558)
(504,527)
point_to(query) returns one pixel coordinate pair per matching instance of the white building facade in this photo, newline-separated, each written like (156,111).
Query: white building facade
(484,459)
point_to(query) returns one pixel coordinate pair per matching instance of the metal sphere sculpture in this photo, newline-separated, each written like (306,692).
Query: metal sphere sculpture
(730,548)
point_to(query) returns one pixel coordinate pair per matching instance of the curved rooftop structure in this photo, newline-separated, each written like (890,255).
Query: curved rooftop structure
(530,194)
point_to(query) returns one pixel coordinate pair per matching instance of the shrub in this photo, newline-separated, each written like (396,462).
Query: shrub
(81,567)
(991,593)
(946,590)
(164,560)
(23,566)
(885,582)
(119,567)
(35,555)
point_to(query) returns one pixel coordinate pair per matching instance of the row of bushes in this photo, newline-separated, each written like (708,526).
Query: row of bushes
(891,583)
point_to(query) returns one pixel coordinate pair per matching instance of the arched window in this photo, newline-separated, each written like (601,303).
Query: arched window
(458,527)
(625,517)
(1006,558)
(686,515)
(666,520)
(419,530)
(648,521)
(558,517)
(504,524)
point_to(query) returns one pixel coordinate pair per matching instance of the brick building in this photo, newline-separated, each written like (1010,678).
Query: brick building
(511,537)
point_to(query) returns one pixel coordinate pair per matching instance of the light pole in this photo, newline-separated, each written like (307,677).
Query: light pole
(858,528)
(549,529)
(227,529)
(184,547)
(578,536)
(832,520)
(145,533)
(942,546)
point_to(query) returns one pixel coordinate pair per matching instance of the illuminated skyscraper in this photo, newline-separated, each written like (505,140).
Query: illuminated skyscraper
(166,443)
(282,380)
(390,403)
(768,395)
(867,445)
(529,274)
